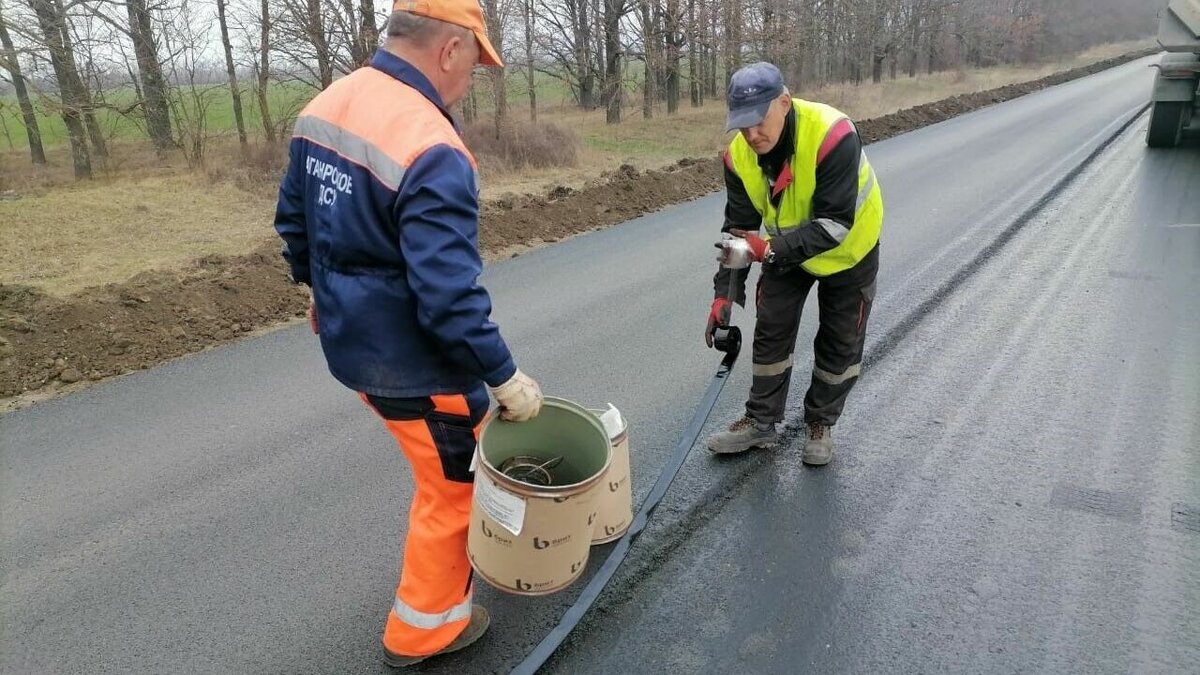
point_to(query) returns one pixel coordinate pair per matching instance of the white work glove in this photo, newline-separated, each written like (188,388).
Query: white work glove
(520,398)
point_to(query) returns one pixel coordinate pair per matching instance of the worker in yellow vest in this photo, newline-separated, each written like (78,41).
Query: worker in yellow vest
(797,169)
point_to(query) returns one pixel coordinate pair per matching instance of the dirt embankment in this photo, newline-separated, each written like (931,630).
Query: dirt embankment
(48,343)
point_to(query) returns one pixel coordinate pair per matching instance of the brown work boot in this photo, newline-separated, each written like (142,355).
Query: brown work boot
(742,435)
(474,630)
(818,449)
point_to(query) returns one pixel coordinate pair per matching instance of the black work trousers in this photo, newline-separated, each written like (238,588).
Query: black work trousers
(844,301)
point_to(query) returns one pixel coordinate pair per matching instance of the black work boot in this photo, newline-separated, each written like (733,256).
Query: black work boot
(474,630)
(742,435)
(818,449)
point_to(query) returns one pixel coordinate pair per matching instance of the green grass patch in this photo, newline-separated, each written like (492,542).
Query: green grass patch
(284,100)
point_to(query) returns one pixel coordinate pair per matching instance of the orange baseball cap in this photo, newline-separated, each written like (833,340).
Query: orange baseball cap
(465,13)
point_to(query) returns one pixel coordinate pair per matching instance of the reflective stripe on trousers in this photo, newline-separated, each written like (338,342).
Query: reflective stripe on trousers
(432,603)
(844,304)
(427,621)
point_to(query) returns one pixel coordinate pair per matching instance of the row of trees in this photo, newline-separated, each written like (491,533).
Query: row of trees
(68,56)
(686,48)
(177,56)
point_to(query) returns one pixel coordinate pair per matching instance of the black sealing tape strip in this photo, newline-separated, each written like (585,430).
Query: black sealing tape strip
(545,649)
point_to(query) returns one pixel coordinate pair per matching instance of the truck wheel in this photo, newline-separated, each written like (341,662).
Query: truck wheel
(1166,124)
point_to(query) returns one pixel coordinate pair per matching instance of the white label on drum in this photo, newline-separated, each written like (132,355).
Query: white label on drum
(503,507)
(611,419)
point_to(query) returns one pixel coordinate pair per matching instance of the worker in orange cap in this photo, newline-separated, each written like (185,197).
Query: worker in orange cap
(379,215)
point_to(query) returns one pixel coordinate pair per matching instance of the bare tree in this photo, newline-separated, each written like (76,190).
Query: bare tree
(70,86)
(87,109)
(4,124)
(582,26)
(325,37)
(916,18)
(316,31)
(674,41)
(306,40)
(96,45)
(693,56)
(262,69)
(368,29)
(231,68)
(469,107)
(732,19)
(566,39)
(881,31)
(614,12)
(495,26)
(154,86)
(711,42)
(192,97)
(650,39)
(8,59)
(527,15)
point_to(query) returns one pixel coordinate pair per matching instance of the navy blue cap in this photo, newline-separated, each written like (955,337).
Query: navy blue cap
(751,91)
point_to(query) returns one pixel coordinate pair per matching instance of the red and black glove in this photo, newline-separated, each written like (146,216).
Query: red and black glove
(718,317)
(758,246)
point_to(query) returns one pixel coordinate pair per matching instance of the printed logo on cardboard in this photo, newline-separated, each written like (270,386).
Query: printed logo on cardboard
(487,532)
(537,586)
(542,544)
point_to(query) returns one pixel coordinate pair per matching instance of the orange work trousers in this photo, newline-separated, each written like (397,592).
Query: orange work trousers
(437,434)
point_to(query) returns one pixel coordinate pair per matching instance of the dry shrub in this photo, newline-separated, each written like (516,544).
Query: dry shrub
(521,145)
(270,158)
(258,169)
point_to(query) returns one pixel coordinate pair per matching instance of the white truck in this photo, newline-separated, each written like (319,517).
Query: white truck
(1175,89)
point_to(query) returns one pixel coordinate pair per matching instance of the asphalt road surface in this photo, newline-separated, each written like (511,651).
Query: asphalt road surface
(1016,487)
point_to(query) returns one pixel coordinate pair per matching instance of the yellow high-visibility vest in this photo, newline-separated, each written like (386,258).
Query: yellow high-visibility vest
(814,122)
